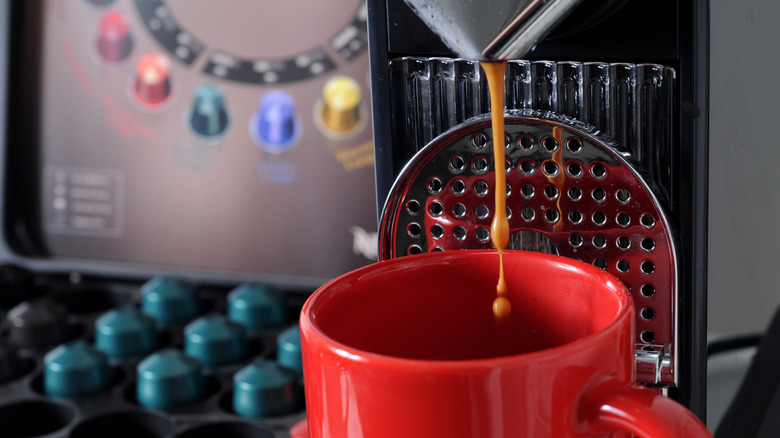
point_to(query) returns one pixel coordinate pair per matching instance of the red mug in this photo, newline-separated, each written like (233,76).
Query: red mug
(410,348)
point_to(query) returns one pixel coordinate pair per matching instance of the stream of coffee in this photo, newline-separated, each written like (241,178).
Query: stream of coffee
(499,229)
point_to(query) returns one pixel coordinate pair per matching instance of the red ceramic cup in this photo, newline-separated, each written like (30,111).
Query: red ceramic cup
(410,348)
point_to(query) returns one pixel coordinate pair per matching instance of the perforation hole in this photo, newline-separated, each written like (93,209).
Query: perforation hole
(527,191)
(436,209)
(551,192)
(599,241)
(647,313)
(574,169)
(551,216)
(457,164)
(600,263)
(647,336)
(623,219)
(435,186)
(482,211)
(508,213)
(526,142)
(508,190)
(599,218)
(479,165)
(599,194)
(647,290)
(599,171)
(528,214)
(458,210)
(527,166)
(459,232)
(575,240)
(437,249)
(550,168)
(414,230)
(414,249)
(549,144)
(575,217)
(437,231)
(458,187)
(575,194)
(648,267)
(507,142)
(507,165)
(623,266)
(623,242)
(648,244)
(623,196)
(574,145)
(481,188)
(483,234)
(413,207)
(647,220)
(479,141)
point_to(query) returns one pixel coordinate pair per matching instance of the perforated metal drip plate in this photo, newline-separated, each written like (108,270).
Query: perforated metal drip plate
(570,191)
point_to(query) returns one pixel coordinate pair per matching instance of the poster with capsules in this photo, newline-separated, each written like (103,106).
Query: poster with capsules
(231,136)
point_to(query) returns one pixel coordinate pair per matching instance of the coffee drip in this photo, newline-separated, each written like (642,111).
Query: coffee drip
(477,30)
(499,230)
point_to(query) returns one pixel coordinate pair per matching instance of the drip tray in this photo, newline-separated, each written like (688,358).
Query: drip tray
(570,191)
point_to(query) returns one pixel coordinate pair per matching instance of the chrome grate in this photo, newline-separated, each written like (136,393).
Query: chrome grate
(570,190)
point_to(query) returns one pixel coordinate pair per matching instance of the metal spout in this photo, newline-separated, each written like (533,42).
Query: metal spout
(491,29)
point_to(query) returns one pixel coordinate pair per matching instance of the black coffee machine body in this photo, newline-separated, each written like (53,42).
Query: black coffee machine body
(617,91)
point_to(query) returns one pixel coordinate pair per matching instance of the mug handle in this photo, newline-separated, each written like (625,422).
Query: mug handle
(614,406)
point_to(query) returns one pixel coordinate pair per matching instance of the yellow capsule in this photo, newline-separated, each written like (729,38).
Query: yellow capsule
(341,97)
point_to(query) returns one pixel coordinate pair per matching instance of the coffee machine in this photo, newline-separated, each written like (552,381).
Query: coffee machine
(607,157)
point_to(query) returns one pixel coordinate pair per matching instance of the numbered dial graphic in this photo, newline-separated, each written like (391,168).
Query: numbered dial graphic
(314,39)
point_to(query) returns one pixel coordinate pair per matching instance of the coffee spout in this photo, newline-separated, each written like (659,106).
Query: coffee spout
(491,29)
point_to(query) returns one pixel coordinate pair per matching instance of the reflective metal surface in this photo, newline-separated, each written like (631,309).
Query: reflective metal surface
(632,103)
(566,181)
(491,29)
